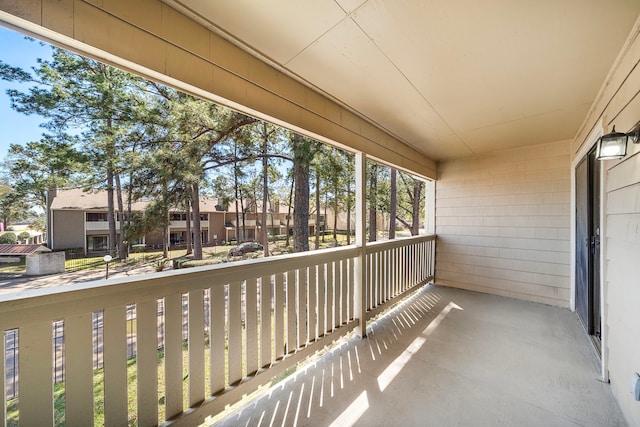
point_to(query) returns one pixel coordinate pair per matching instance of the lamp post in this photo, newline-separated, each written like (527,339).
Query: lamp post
(107,259)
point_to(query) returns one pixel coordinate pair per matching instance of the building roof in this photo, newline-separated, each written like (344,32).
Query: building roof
(7,249)
(78,199)
(272,208)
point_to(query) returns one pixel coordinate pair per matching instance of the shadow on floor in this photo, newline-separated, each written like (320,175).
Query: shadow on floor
(448,357)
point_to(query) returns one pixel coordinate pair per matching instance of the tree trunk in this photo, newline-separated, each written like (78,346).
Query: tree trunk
(188,224)
(373,202)
(236,189)
(111,215)
(415,221)
(129,203)
(287,242)
(244,224)
(265,191)
(317,227)
(301,197)
(392,206)
(197,238)
(348,215)
(165,228)
(325,218)
(122,247)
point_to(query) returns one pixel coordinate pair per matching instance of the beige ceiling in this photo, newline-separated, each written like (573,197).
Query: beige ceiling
(453,78)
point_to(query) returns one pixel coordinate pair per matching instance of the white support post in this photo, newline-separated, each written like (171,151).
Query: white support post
(360,261)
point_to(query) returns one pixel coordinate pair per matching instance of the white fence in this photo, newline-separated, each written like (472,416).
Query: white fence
(242,325)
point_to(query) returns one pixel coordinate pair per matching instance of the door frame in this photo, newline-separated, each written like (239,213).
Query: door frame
(592,139)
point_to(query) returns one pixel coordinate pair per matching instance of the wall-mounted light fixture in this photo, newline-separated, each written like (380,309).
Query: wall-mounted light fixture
(613,146)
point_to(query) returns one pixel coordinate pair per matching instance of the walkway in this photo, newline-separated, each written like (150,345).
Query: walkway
(448,357)
(10,283)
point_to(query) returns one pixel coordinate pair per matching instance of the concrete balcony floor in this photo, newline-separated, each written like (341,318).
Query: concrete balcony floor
(448,357)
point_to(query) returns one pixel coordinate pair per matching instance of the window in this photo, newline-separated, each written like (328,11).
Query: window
(137,241)
(97,243)
(96,217)
(177,238)
(178,217)
(204,217)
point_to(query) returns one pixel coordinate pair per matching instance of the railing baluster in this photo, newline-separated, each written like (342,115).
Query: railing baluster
(378,284)
(352,285)
(78,370)
(279,311)
(370,280)
(416,264)
(423,258)
(432,272)
(396,271)
(235,333)
(322,305)
(385,274)
(419,263)
(313,307)
(343,290)
(217,338)
(173,363)
(291,311)
(330,298)
(147,362)
(302,307)
(3,377)
(402,270)
(36,375)
(336,295)
(115,366)
(196,347)
(265,321)
(251,324)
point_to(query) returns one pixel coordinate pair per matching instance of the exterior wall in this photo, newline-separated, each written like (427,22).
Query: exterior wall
(216,227)
(503,223)
(45,263)
(619,104)
(68,230)
(173,48)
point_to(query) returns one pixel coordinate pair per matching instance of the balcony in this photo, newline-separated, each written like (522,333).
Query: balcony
(218,333)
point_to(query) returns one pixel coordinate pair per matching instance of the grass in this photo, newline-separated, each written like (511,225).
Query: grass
(98,395)
(212,255)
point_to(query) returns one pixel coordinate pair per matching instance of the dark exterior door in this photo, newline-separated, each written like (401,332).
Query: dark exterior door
(588,245)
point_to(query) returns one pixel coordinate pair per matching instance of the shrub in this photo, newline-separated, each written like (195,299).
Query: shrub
(199,263)
(9,238)
(23,236)
(138,248)
(160,264)
(178,262)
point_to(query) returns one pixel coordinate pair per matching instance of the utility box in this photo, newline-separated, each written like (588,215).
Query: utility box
(45,263)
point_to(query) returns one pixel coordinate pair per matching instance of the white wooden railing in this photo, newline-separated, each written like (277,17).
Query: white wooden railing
(395,267)
(232,328)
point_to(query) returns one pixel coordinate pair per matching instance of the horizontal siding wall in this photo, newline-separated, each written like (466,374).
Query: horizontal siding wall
(503,223)
(619,105)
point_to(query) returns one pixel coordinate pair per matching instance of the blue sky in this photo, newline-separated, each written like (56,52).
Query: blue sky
(18,128)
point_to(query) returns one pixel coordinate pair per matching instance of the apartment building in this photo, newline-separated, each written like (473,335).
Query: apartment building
(78,219)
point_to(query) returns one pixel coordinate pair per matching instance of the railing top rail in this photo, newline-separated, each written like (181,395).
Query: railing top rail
(17,308)
(397,243)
